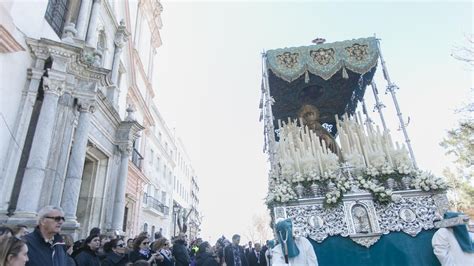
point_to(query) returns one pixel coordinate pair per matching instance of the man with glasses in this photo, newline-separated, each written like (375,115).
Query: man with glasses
(45,245)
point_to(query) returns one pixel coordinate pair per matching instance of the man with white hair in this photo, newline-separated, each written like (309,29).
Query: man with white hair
(45,245)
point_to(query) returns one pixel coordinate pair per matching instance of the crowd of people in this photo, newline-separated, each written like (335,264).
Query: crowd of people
(45,245)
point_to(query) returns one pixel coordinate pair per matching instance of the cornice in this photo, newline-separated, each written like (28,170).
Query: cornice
(8,43)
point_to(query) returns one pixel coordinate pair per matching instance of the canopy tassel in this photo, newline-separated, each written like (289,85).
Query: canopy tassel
(344,72)
(306,76)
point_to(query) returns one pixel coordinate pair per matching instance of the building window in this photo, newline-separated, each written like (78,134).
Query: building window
(56,15)
(145,227)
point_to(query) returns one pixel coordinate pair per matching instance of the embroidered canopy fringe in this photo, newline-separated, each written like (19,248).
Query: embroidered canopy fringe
(324,60)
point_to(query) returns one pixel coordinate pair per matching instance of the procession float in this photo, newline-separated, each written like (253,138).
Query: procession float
(346,184)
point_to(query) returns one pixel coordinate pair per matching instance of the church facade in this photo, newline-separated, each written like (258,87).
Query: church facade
(78,81)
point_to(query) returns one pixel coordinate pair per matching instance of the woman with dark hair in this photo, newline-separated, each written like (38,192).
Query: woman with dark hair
(87,256)
(205,256)
(141,251)
(13,252)
(115,251)
(162,247)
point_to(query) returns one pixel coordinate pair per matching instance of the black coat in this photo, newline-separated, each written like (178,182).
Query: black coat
(252,258)
(87,257)
(114,259)
(136,255)
(167,261)
(229,256)
(206,259)
(181,254)
(41,253)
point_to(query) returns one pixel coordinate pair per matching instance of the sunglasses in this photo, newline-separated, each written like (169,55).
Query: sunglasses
(145,243)
(121,245)
(56,218)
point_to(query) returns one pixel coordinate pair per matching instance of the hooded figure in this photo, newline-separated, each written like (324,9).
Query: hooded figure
(292,250)
(454,245)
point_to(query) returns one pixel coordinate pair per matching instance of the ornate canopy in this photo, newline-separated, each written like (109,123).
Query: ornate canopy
(330,76)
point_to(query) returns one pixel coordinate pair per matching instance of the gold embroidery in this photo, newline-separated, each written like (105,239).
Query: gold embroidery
(288,59)
(358,51)
(322,56)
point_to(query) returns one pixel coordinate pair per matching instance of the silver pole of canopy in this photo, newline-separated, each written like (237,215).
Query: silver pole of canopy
(391,87)
(378,105)
(268,116)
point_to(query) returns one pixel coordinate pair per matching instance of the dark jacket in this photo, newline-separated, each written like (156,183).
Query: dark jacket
(136,255)
(181,254)
(87,257)
(229,256)
(114,259)
(206,259)
(167,261)
(252,258)
(42,253)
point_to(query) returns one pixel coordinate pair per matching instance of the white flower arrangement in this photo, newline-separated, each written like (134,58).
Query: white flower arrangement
(281,192)
(427,181)
(332,197)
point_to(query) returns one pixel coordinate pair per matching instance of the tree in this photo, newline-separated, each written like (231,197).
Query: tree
(460,144)
(465,53)
(259,231)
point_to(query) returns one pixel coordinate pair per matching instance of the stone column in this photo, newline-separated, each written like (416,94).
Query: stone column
(91,31)
(121,37)
(119,202)
(34,175)
(82,19)
(75,167)
(20,130)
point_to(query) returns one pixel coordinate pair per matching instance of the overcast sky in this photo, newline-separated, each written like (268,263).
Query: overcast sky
(209,72)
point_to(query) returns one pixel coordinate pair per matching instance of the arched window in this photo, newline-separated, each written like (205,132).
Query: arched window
(145,227)
(153,232)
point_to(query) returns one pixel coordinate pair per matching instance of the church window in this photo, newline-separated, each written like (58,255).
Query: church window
(56,15)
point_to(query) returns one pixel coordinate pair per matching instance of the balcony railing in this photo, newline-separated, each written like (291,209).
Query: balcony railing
(155,204)
(137,158)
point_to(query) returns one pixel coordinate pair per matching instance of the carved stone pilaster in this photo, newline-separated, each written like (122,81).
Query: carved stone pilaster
(125,148)
(53,86)
(86,106)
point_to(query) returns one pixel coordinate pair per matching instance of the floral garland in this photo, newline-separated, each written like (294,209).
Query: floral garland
(282,191)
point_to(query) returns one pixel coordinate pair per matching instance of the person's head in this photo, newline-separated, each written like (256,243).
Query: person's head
(104,239)
(50,220)
(258,247)
(205,247)
(161,243)
(13,252)
(115,245)
(130,243)
(95,231)
(92,242)
(68,242)
(250,244)
(309,114)
(198,241)
(5,232)
(236,239)
(144,234)
(20,230)
(141,242)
